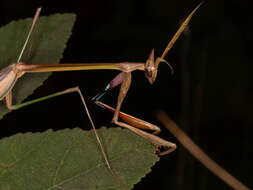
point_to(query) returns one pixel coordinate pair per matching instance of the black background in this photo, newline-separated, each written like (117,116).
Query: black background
(209,94)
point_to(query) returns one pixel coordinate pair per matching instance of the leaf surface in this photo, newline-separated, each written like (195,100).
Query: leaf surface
(71,159)
(46,45)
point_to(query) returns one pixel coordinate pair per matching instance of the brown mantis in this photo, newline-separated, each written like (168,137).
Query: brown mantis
(10,74)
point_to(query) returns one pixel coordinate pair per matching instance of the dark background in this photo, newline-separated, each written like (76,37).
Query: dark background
(209,95)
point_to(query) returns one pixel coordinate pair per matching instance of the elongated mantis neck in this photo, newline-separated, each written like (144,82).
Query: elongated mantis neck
(124,66)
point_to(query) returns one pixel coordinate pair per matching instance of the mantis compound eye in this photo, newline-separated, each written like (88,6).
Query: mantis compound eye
(148,72)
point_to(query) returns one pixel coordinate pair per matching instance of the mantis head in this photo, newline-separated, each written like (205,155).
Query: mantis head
(151,67)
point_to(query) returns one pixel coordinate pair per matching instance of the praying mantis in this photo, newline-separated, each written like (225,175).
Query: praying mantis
(10,74)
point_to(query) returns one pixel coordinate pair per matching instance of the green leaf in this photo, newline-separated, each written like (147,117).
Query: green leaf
(47,44)
(71,159)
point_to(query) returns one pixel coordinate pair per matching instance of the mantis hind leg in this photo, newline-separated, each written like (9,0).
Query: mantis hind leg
(159,142)
(135,125)
(10,106)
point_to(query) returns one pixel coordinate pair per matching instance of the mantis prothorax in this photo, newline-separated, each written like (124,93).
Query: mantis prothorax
(10,74)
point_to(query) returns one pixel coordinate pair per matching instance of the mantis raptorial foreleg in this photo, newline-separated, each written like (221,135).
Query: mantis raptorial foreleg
(122,94)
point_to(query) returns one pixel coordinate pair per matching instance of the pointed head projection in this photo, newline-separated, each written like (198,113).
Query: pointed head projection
(151,67)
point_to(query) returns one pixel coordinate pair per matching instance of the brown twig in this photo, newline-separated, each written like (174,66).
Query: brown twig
(200,154)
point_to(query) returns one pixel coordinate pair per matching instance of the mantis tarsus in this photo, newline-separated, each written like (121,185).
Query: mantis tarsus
(10,74)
